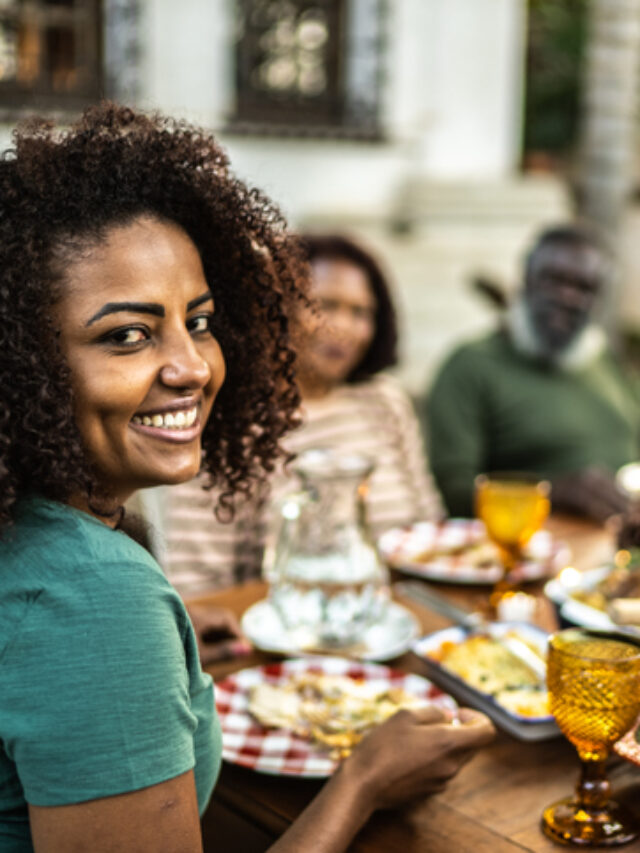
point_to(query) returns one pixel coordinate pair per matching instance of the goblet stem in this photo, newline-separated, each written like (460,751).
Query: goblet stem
(593,789)
(510,557)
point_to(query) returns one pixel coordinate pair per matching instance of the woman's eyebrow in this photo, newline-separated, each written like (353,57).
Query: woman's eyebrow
(199,300)
(135,307)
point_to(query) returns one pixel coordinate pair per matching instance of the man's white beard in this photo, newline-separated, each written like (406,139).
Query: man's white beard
(583,348)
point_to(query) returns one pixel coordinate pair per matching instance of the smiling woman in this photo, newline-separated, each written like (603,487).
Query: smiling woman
(130,261)
(145,364)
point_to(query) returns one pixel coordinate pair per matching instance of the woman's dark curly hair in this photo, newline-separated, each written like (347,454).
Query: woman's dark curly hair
(382,352)
(60,192)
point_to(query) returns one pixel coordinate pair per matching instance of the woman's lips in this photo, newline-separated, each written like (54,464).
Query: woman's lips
(178,436)
(335,353)
(172,424)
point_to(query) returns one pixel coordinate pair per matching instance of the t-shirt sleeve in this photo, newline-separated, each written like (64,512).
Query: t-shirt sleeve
(96,687)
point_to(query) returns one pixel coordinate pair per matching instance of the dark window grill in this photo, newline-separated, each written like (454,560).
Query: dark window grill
(311,67)
(50,54)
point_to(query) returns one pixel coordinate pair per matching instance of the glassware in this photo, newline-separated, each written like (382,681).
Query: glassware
(327,582)
(513,507)
(593,680)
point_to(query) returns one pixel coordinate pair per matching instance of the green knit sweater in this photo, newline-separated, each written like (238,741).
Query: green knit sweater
(492,409)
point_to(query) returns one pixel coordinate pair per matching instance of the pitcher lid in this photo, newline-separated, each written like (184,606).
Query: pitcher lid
(326,463)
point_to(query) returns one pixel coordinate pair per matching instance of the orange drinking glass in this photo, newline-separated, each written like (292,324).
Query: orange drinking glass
(593,680)
(513,506)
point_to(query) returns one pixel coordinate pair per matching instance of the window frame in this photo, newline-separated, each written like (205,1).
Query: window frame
(326,118)
(17,99)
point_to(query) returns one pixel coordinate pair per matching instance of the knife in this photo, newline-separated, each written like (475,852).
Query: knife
(425,596)
(472,622)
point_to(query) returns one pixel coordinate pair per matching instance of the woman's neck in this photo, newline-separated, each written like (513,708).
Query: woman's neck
(313,387)
(111,519)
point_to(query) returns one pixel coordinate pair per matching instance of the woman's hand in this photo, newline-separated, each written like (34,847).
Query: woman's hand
(416,753)
(218,633)
(413,754)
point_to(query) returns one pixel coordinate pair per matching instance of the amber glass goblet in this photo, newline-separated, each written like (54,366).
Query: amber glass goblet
(594,688)
(513,506)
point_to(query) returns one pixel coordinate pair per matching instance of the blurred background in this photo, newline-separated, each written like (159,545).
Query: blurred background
(442,133)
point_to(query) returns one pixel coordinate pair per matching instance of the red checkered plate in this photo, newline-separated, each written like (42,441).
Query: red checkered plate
(403,547)
(279,751)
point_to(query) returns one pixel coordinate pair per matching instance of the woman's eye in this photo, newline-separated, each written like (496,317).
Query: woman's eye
(201,323)
(361,313)
(127,337)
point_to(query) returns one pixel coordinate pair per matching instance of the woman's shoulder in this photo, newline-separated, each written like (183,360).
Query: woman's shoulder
(51,539)
(383,390)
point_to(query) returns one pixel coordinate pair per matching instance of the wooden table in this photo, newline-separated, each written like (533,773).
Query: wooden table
(493,805)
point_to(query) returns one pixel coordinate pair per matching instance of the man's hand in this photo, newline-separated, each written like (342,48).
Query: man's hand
(592,493)
(217,632)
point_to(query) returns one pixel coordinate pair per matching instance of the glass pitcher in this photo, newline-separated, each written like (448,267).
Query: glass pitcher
(327,581)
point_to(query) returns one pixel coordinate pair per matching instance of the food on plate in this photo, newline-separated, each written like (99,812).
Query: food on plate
(486,664)
(618,593)
(479,555)
(625,611)
(332,711)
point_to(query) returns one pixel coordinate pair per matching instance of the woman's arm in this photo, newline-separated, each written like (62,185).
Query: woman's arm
(160,819)
(412,755)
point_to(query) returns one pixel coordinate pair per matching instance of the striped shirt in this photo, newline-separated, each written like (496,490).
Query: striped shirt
(375,418)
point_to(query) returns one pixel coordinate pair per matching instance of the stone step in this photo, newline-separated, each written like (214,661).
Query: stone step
(524,199)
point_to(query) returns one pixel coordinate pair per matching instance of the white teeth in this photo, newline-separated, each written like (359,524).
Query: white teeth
(172,420)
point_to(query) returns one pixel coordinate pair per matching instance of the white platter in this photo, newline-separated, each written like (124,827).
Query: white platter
(390,636)
(577,612)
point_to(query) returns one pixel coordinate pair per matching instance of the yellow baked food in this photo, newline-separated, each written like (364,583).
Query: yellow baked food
(487,665)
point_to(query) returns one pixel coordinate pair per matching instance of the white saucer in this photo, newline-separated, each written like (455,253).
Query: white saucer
(391,636)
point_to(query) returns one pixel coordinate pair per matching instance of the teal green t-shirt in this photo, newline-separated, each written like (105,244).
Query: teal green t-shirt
(101,689)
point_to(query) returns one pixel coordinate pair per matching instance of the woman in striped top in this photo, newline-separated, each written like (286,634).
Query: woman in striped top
(347,404)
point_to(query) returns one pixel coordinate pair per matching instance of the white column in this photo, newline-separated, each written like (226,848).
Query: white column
(459,89)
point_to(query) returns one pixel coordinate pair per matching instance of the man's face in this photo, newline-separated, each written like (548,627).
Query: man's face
(561,290)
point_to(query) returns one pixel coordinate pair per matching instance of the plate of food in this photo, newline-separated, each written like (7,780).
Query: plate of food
(607,597)
(479,669)
(458,550)
(301,717)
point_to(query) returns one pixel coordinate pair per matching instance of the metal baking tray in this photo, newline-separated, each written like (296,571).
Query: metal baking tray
(520,727)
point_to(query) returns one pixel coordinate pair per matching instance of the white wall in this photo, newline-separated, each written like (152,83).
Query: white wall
(186,66)
(475,88)
(451,106)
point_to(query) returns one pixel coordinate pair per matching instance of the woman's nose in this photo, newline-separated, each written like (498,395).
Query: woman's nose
(185,366)
(340,323)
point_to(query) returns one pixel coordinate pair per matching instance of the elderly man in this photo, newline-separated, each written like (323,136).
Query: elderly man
(544,393)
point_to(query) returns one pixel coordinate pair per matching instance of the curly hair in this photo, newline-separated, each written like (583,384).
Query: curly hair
(382,351)
(60,192)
